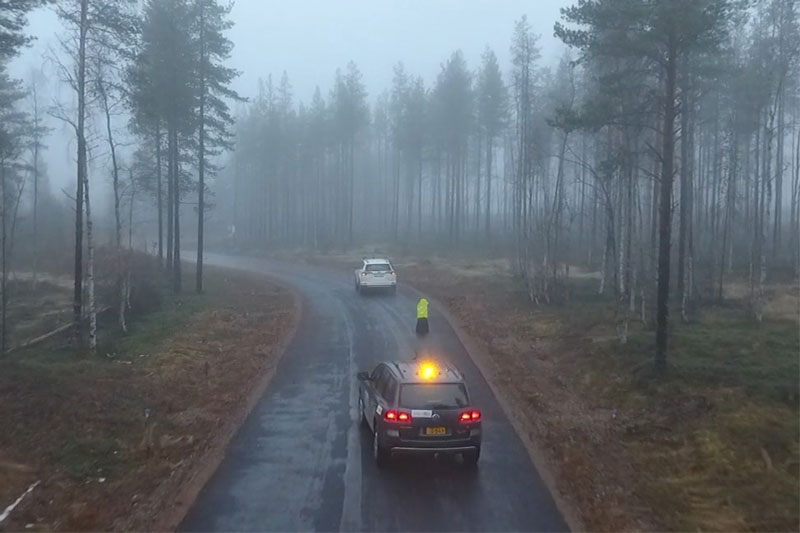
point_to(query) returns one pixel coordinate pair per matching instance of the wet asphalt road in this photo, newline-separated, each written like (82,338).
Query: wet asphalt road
(302,462)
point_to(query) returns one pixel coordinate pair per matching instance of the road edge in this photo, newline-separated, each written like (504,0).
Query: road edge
(213,456)
(480,358)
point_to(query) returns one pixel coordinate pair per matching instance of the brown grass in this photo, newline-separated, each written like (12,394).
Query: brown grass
(79,424)
(712,445)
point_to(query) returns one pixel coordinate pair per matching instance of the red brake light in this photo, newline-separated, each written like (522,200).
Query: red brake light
(396,416)
(470,416)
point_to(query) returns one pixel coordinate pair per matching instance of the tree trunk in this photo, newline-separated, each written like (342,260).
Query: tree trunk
(77,296)
(90,270)
(159,200)
(776,228)
(755,242)
(170,202)
(478,186)
(351,192)
(120,282)
(766,197)
(730,206)
(419,202)
(487,222)
(665,211)
(201,160)
(35,164)
(4,272)
(130,241)
(687,181)
(796,206)
(176,198)
(685,190)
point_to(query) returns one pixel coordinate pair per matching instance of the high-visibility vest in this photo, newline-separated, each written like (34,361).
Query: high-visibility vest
(422,308)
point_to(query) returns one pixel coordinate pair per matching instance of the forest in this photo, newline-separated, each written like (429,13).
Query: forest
(617,228)
(148,107)
(663,151)
(665,157)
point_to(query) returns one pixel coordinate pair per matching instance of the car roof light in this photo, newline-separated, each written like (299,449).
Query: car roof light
(428,371)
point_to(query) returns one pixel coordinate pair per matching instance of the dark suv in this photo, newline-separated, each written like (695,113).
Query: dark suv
(419,407)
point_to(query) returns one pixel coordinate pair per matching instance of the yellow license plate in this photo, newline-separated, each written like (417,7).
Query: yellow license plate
(436,431)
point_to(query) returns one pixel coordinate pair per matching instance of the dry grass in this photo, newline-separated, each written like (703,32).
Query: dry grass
(711,445)
(114,437)
(782,299)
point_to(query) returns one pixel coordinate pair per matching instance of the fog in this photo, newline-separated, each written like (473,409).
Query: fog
(612,136)
(603,194)
(310,39)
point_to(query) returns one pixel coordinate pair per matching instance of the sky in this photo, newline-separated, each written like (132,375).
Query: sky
(310,39)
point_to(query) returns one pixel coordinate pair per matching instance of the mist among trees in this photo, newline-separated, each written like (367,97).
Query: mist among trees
(663,151)
(659,157)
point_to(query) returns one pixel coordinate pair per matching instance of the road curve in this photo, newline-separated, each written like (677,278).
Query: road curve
(301,462)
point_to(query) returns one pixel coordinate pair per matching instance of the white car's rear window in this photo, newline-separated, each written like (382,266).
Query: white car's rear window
(378,267)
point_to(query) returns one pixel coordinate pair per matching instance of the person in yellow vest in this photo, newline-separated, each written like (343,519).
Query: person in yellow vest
(422,317)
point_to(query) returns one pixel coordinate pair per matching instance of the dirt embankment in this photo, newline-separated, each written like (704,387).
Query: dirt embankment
(125,440)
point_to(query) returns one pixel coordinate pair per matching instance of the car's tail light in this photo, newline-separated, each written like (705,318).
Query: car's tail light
(397,416)
(363,273)
(470,416)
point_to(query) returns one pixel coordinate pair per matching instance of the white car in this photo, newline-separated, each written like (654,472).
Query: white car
(376,273)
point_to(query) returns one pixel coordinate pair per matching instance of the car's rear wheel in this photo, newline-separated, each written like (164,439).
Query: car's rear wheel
(471,458)
(394,290)
(380,453)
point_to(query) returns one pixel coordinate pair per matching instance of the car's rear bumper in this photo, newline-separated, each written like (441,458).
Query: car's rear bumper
(410,450)
(377,284)
(398,445)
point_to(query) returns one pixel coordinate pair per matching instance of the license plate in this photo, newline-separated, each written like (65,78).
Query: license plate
(436,431)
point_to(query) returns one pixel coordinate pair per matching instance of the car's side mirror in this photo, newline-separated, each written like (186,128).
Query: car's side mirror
(362,376)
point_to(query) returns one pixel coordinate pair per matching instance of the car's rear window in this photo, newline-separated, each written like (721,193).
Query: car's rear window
(378,267)
(433,396)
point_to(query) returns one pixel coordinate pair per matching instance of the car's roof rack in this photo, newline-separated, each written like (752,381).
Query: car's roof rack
(405,369)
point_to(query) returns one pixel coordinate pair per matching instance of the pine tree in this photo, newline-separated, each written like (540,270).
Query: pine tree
(660,36)
(14,128)
(13,19)
(214,119)
(492,118)
(164,93)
